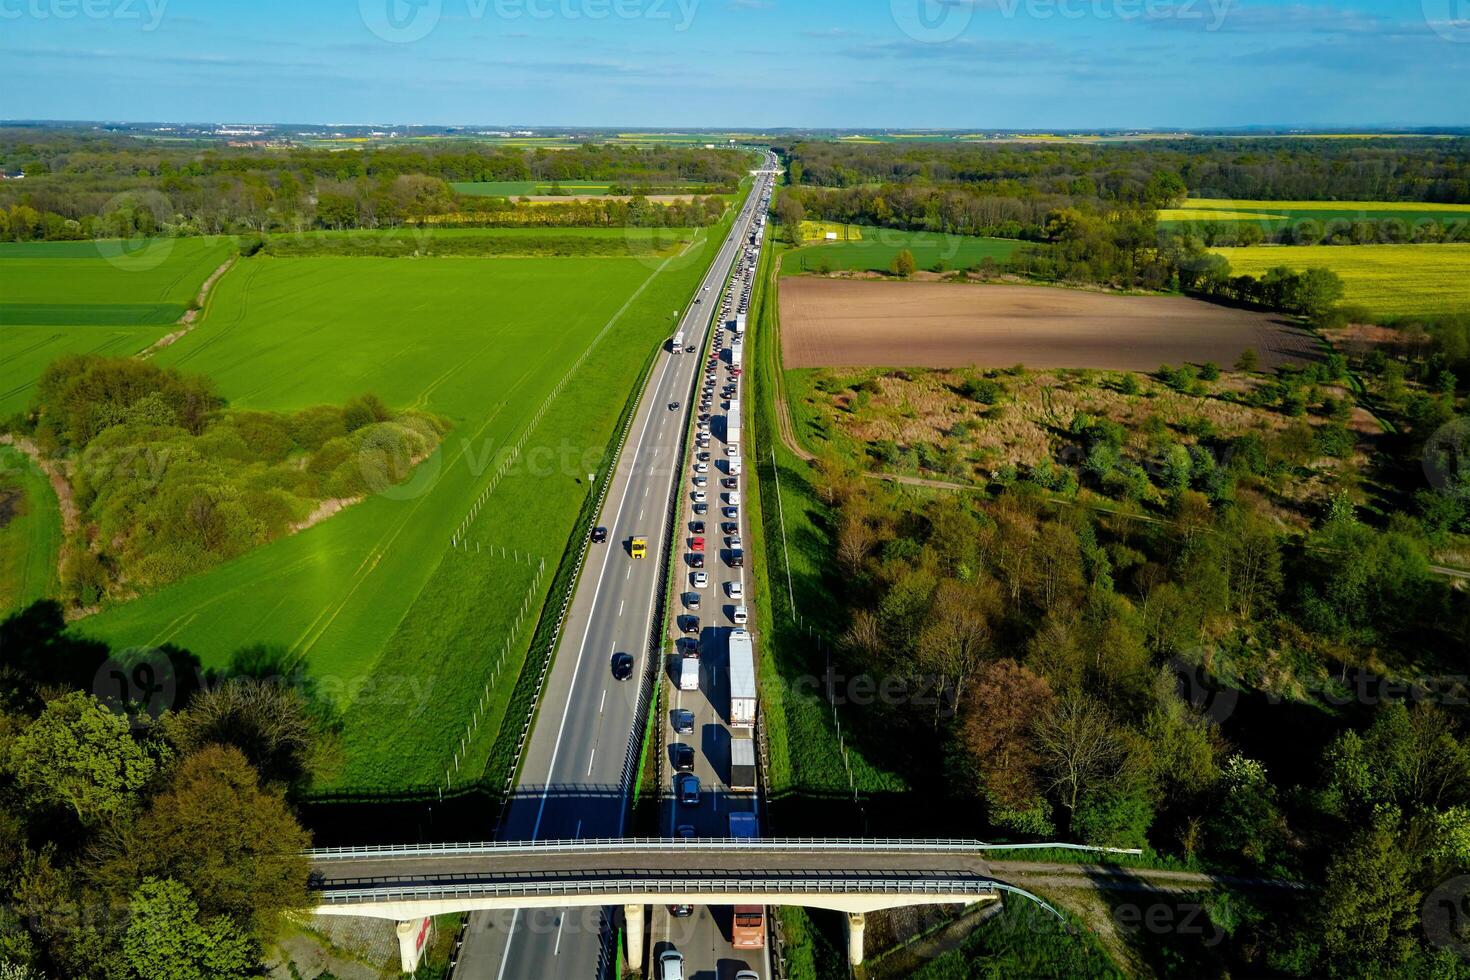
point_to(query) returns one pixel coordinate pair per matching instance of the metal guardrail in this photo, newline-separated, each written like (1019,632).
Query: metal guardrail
(669,886)
(643,845)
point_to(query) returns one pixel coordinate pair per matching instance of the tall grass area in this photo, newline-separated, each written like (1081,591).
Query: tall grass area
(30,532)
(792,553)
(1024,941)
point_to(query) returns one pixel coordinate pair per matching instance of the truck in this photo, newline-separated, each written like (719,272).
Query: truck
(737,351)
(742,680)
(732,422)
(678,342)
(688,673)
(740,320)
(742,765)
(744,826)
(749,927)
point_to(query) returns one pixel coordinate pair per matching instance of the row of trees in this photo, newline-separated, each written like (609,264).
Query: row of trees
(142,843)
(1234,168)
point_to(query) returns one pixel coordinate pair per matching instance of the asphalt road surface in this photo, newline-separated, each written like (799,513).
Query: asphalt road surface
(574,781)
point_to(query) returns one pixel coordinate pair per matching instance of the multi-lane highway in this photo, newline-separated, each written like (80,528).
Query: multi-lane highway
(579,761)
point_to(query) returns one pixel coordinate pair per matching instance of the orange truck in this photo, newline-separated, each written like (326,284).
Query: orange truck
(749,931)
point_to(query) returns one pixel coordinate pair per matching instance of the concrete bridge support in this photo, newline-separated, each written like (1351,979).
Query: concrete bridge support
(633,920)
(413,939)
(856,923)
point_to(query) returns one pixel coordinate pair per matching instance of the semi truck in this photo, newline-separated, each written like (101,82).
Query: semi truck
(742,765)
(737,352)
(740,323)
(742,680)
(749,927)
(732,422)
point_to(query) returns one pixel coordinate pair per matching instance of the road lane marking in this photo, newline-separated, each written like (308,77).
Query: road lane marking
(600,705)
(590,759)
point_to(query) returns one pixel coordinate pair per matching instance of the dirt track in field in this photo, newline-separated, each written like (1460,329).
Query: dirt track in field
(846,323)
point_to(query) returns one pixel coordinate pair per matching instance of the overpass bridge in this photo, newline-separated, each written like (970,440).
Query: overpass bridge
(409,882)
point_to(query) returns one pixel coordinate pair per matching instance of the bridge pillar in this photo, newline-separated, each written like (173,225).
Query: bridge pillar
(413,939)
(633,920)
(856,923)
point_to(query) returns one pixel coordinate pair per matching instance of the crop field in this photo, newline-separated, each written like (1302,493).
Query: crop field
(816,231)
(106,297)
(1390,280)
(30,532)
(877,248)
(570,189)
(845,323)
(1274,215)
(530,361)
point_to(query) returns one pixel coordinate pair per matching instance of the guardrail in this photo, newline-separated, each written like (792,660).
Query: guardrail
(814,885)
(636,845)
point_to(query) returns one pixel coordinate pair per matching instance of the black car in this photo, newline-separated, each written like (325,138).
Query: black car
(691,624)
(683,756)
(622,666)
(599,535)
(730,527)
(696,527)
(683,720)
(689,790)
(696,560)
(681,911)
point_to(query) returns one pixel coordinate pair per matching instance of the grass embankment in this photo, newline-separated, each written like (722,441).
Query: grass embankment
(876,249)
(791,555)
(404,628)
(30,532)
(1389,280)
(94,297)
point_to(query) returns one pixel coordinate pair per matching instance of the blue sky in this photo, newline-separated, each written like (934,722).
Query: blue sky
(742,63)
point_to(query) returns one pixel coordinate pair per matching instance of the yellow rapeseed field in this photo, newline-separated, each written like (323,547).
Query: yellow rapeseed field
(1390,280)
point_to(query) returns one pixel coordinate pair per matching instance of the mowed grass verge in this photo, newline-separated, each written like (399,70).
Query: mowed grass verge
(1390,280)
(876,249)
(30,532)
(402,630)
(104,297)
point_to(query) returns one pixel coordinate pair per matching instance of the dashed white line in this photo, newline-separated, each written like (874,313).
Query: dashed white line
(600,705)
(590,760)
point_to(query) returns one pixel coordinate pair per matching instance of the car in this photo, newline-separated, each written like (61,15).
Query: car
(683,721)
(686,831)
(683,757)
(689,349)
(700,496)
(701,508)
(737,558)
(622,666)
(673,406)
(671,965)
(691,624)
(696,527)
(697,544)
(730,527)
(747,975)
(735,589)
(730,483)
(740,616)
(691,599)
(696,560)
(701,481)
(732,450)
(701,467)
(638,547)
(599,535)
(732,541)
(681,911)
(733,513)
(688,788)
(701,580)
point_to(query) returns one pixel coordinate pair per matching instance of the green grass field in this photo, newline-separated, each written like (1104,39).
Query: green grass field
(30,532)
(534,188)
(401,629)
(107,297)
(1274,215)
(875,251)
(1390,280)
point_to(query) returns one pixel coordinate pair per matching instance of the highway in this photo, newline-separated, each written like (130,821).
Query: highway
(705,935)
(581,756)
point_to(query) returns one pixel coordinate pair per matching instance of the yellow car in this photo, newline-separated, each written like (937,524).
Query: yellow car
(639,548)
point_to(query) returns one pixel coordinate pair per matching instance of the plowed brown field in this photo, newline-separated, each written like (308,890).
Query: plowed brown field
(847,323)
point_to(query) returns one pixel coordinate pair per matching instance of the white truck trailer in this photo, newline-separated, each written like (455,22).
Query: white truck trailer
(742,680)
(742,765)
(732,423)
(677,342)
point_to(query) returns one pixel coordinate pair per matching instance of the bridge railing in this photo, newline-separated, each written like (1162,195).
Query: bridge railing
(637,845)
(753,885)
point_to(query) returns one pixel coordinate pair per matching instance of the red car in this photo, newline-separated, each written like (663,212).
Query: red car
(697,544)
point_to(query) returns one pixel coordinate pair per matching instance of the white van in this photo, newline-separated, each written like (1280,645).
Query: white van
(689,674)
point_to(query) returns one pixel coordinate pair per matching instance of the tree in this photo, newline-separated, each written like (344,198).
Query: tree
(1078,745)
(1000,710)
(80,755)
(165,939)
(1248,361)
(235,846)
(1369,907)
(904,264)
(1246,822)
(266,720)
